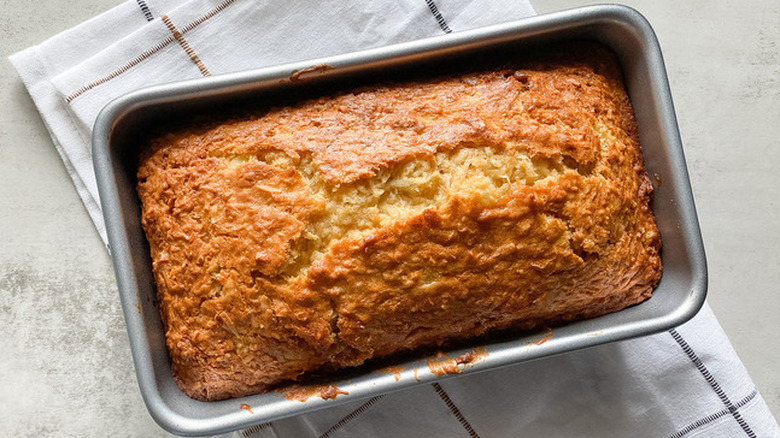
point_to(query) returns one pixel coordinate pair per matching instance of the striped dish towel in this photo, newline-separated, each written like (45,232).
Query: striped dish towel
(683,383)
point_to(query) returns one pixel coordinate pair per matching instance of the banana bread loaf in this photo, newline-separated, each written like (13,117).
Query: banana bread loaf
(354,226)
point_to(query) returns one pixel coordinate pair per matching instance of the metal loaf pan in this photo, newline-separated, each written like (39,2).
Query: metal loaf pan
(121,125)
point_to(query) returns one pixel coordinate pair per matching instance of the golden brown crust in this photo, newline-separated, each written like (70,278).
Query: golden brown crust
(230,214)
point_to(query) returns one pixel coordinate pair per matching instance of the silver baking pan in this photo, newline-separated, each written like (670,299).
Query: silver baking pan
(121,126)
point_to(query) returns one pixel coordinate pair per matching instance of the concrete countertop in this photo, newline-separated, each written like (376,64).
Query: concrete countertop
(65,363)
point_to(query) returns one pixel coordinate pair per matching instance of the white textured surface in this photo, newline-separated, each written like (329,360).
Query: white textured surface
(65,364)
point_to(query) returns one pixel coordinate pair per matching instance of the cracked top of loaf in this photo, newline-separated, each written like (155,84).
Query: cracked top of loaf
(356,225)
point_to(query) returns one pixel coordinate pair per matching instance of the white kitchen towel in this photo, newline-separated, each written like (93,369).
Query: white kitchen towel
(687,382)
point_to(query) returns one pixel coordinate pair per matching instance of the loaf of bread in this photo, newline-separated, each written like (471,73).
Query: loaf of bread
(354,226)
